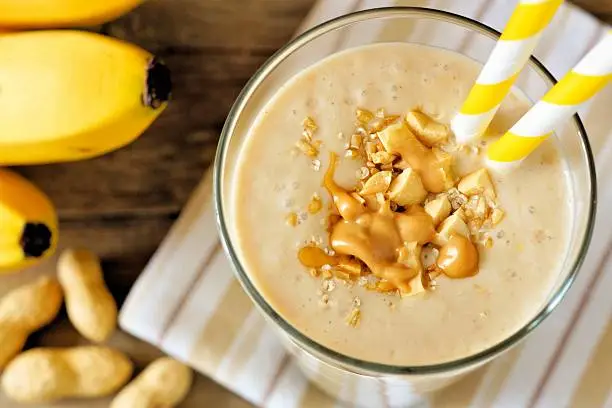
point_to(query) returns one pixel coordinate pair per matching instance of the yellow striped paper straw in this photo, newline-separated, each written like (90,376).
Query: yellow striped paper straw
(506,61)
(587,78)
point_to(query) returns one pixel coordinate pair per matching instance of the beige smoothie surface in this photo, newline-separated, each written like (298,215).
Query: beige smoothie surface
(444,312)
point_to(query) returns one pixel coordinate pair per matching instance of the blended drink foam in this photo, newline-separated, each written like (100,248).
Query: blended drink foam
(388,313)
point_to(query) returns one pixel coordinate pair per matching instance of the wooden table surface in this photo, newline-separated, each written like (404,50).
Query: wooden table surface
(121,205)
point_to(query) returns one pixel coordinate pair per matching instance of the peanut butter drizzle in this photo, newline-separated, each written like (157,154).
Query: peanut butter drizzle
(315,257)
(458,258)
(423,160)
(348,207)
(415,225)
(376,237)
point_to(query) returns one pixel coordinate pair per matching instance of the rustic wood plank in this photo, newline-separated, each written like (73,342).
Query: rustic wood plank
(228,24)
(155,174)
(600,8)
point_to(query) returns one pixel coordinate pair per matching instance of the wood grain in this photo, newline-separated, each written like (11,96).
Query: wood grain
(242,26)
(121,205)
(600,8)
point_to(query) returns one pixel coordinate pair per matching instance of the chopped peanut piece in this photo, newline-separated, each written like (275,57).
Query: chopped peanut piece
(430,197)
(477,182)
(307,135)
(356,141)
(445,162)
(496,216)
(306,148)
(379,123)
(382,202)
(474,225)
(370,148)
(309,124)
(378,183)
(491,203)
(376,125)
(461,213)
(395,138)
(476,208)
(452,225)
(315,205)
(359,198)
(426,129)
(438,209)
(341,274)
(364,115)
(481,208)
(456,198)
(378,143)
(410,255)
(354,318)
(434,166)
(407,188)
(382,157)
(292,219)
(363,173)
(351,153)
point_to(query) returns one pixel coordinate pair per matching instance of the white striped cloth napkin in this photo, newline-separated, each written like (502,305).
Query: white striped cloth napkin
(188,303)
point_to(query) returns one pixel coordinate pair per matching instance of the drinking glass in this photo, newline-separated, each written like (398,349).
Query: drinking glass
(331,370)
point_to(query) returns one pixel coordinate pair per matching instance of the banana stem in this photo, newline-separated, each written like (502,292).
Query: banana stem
(35,239)
(159,84)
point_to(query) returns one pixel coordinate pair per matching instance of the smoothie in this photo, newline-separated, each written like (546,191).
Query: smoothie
(372,232)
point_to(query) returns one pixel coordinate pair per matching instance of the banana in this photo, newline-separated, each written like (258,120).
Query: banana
(71,95)
(61,13)
(28,223)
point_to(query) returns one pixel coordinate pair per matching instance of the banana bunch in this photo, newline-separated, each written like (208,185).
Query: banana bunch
(65,95)
(28,223)
(72,95)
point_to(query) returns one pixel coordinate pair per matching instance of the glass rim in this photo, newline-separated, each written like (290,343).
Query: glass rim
(378,368)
